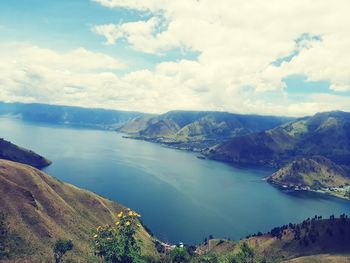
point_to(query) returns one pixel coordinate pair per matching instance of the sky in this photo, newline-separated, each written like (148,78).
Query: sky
(276,57)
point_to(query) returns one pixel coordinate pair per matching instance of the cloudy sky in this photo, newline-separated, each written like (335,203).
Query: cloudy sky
(281,57)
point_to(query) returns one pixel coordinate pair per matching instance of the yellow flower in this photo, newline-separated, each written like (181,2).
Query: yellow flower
(127,223)
(138,225)
(120,214)
(131,213)
(128,209)
(95,236)
(117,223)
(109,238)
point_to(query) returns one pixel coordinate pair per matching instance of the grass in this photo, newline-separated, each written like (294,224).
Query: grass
(42,209)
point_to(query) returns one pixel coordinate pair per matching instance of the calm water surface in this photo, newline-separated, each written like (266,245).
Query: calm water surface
(180,197)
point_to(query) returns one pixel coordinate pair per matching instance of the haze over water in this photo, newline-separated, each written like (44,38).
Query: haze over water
(180,197)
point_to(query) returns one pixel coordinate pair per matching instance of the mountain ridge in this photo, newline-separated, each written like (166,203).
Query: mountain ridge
(326,134)
(195,129)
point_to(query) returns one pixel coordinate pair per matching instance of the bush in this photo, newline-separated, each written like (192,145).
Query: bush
(60,248)
(246,255)
(179,255)
(117,244)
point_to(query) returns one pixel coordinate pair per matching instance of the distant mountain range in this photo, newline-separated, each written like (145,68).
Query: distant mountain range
(197,129)
(77,116)
(242,139)
(326,134)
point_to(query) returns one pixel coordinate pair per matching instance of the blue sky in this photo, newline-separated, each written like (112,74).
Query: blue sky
(203,58)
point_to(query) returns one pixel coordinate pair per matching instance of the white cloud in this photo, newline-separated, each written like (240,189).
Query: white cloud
(238,42)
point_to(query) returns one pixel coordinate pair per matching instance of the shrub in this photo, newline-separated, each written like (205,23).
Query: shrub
(246,255)
(180,255)
(60,248)
(117,244)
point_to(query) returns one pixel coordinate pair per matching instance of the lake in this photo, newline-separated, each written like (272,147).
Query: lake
(180,197)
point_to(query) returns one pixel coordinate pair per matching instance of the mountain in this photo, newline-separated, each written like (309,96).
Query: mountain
(15,153)
(316,174)
(42,209)
(313,240)
(326,134)
(55,114)
(202,129)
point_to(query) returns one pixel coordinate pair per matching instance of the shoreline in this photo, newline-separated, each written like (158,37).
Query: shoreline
(291,189)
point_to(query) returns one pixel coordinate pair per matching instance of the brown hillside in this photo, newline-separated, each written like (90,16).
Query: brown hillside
(42,209)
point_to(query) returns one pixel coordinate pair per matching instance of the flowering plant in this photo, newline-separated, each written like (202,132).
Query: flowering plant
(117,243)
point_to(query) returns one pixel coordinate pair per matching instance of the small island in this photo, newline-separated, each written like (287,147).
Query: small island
(317,174)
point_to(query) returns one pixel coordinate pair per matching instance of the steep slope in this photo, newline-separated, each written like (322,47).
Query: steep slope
(316,174)
(164,125)
(137,124)
(178,127)
(42,209)
(326,134)
(57,114)
(162,128)
(12,152)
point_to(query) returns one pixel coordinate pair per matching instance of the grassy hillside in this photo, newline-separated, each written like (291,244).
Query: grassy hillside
(326,134)
(313,240)
(316,174)
(42,209)
(12,152)
(189,129)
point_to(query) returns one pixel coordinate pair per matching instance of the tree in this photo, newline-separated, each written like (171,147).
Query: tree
(60,248)
(117,244)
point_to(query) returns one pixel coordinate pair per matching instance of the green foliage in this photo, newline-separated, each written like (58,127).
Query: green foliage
(117,244)
(180,255)
(247,254)
(61,247)
(213,258)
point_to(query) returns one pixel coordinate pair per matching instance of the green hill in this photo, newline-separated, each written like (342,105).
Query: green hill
(9,151)
(314,174)
(326,134)
(197,129)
